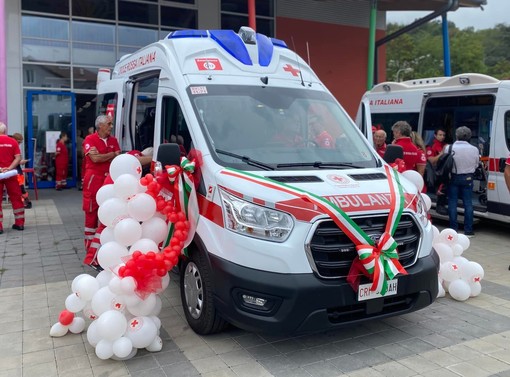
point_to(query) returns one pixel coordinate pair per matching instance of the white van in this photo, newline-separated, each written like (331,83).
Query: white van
(266,255)
(477,101)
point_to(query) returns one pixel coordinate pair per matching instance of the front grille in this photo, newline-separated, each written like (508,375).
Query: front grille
(331,252)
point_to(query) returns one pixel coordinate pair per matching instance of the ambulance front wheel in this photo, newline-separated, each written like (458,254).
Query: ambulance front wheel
(197,296)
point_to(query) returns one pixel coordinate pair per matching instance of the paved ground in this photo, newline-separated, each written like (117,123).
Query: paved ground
(449,338)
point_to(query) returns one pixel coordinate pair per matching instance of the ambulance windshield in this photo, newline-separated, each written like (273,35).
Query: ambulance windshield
(278,127)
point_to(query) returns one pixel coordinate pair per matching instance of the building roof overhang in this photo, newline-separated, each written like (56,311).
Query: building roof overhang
(424,5)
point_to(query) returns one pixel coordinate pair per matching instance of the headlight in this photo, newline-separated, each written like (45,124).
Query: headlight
(255,221)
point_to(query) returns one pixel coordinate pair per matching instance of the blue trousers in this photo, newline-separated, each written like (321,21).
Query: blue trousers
(461,186)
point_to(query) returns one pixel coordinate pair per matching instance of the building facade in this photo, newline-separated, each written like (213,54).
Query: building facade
(54,49)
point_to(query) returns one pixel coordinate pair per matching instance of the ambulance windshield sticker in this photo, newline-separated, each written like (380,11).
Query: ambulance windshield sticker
(208,64)
(341,181)
(198,90)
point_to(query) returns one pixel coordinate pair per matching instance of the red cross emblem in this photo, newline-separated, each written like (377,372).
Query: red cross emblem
(134,323)
(455,267)
(139,170)
(291,69)
(450,237)
(117,305)
(92,316)
(477,279)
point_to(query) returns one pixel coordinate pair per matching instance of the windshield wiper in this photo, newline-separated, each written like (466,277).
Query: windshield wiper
(320,165)
(246,159)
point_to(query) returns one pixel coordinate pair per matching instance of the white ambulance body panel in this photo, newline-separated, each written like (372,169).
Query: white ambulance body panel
(247,109)
(478,101)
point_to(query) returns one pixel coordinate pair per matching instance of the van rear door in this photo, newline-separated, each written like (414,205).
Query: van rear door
(110,101)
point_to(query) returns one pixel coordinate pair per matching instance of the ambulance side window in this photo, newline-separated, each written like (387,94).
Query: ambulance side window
(144,106)
(173,125)
(507,129)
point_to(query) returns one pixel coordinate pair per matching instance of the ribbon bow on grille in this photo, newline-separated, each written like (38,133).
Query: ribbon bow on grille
(381,260)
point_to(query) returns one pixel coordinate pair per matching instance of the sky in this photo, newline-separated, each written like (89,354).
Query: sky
(495,12)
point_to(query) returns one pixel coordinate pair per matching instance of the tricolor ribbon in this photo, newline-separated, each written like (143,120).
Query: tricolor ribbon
(362,241)
(184,195)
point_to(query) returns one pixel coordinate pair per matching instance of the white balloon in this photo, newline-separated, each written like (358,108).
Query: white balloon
(157,308)
(142,331)
(472,272)
(449,271)
(110,254)
(105,300)
(111,325)
(459,290)
(125,164)
(127,231)
(86,287)
(476,289)
(104,349)
(414,177)
(93,335)
(112,211)
(58,330)
(74,304)
(75,281)
(155,229)
(440,292)
(156,345)
(77,326)
(448,236)
(444,251)
(157,321)
(122,347)
(427,201)
(463,241)
(115,286)
(141,207)
(106,235)
(103,278)
(457,250)
(128,285)
(435,231)
(130,356)
(144,245)
(126,186)
(105,192)
(145,307)
(459,261)
(132,299)
(89,313)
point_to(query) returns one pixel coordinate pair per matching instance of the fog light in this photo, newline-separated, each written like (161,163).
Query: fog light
(251,300)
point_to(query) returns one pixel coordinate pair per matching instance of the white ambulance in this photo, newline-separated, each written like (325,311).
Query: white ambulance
(477,101)
(287,185)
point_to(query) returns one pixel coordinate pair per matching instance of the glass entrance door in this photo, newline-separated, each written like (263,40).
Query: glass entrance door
(49,114)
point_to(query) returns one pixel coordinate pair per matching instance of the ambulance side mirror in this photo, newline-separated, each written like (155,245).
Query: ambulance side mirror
(169,154)
(392,153)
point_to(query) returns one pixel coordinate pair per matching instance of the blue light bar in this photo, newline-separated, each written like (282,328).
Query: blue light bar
(188,34)
(231,42)
(265,50)
(279,43)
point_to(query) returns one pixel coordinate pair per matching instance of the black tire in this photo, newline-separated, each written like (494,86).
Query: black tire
(197,296)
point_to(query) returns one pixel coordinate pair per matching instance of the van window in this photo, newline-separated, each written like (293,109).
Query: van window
(277,126)
(107,104)
(452,112)
(173,125)
(144,111)
(507,129)
(386,121)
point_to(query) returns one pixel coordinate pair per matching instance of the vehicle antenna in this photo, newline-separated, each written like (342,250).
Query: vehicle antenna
(297,59)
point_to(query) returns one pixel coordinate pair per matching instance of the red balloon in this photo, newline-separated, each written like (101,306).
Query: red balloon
(122,271)
(144,181)
(182,216)
(180,225)
(151,255)
(66,317)
(136,254)
(180,235)
(161,272)
(149,177)
(172,217)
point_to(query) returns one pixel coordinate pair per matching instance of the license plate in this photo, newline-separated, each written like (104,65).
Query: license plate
(364,292)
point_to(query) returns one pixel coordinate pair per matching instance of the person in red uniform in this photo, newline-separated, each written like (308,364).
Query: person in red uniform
(10,157)
(99,149)
(380,142)
(434,151)
(61,162)
(413,158)
(318,136)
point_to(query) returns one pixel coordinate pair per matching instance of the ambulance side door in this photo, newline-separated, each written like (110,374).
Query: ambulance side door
(498,193)
(364,119)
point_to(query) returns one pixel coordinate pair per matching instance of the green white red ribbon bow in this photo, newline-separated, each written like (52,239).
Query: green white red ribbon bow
(362,241)
(184,194)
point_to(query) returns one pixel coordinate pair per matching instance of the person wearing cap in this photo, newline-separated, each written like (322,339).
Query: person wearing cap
(10,157)
(99,149)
